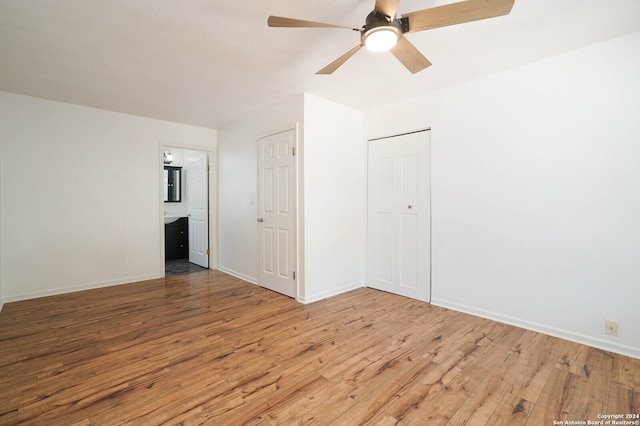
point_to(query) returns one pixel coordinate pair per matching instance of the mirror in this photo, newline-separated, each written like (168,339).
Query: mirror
(172,184)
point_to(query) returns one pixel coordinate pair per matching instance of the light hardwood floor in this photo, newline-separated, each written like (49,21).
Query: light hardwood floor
(207,348)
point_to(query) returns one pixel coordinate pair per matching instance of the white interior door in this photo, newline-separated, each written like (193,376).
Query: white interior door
(398,218)
(197,206)
(277,213)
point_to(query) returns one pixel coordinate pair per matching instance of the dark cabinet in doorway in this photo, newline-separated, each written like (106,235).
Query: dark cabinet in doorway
(176,239)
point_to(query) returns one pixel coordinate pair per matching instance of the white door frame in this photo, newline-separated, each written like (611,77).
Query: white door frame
(212,159)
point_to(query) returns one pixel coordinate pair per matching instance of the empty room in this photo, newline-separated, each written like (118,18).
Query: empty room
(339,212)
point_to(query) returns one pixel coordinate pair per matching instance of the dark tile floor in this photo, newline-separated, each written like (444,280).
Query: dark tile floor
(180,266)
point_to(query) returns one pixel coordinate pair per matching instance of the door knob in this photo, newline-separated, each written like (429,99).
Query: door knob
(409,206)
(260,220)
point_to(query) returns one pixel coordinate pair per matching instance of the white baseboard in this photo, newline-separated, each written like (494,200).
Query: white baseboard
(81,287)
(243,277)
(330,293)
(305,300)
(541,328)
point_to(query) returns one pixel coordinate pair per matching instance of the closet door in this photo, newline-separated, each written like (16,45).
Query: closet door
(399,215)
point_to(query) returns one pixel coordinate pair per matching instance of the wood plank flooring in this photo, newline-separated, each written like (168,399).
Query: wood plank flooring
(207,348)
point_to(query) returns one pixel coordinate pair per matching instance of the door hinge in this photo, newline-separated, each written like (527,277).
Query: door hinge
(293,151)
(294,275)
(208,167)
(207,251)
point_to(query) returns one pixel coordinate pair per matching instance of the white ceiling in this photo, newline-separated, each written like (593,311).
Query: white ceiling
(206,62)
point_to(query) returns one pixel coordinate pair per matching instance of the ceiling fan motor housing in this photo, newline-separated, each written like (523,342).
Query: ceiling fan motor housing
(377,19)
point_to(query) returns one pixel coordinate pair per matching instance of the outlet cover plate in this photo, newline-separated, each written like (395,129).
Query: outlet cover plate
(611,327)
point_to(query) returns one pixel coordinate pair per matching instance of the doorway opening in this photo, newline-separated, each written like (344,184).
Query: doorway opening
(185,210)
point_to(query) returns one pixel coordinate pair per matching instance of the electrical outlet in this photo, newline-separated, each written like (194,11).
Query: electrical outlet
(611,327)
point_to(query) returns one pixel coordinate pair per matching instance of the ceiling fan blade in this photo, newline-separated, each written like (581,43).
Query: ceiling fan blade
(341,60)
(457,13)
(278,21)
(409,56)
(388,7)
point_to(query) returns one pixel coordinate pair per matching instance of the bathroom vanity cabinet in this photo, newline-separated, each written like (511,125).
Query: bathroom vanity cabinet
(176,239)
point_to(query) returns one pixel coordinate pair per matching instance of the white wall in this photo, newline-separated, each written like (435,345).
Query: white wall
(334,207)
(1,184)
(238,184)
(80,192)
(536,193)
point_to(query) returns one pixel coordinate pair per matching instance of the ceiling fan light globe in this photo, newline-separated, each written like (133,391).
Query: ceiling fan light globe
(381,39)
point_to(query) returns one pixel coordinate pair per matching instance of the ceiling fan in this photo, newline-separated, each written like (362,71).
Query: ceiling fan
(384,31)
